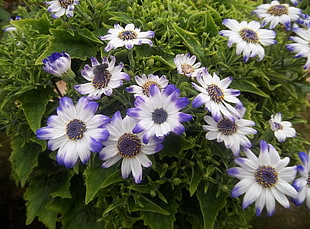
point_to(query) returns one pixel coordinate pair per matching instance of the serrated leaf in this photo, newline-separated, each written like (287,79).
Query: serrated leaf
(89,35)
(148,206)
(24,158)
(210,205)
(248,86)
(211,27)
(62,184)
(34,104)
(41,25)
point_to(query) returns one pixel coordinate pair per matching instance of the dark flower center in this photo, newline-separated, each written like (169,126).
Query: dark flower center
(249,35)
(159,115)
(278,126)
(146,87)
(215,93)
(278,10)
(129,145)
(127,35)
(187,68)
(75,129)
(65,3)
(102,76)
(226,126)
(308,180)
(266,176)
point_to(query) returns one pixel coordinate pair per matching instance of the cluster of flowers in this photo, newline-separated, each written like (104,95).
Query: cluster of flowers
(77,130)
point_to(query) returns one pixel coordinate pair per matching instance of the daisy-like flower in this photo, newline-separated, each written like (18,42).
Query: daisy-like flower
(128,37)
(58,64)
(61,7)
(127,146)
(232,133)
(301,45)
(264,179)
(158,114)
(186,65)
(75,131)
(216,96)
(275,13)
(304,20)
(302,184)
(282,129)
(103,77)
(249,38)
(144,83)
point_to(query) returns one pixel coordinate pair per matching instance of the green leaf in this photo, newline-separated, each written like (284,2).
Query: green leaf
(24,158)
(41,25)
(195,180)
(34,104)
(148,206)
(174,145)
(211,27)
(248,86)
(97,178)
(62,184)
(210,205)
(89,35)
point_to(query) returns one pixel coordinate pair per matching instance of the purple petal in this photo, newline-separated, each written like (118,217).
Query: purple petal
(183,117)
(303,157)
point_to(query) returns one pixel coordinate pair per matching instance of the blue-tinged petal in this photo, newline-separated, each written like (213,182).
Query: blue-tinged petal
(46,133)
(179,129)
(199,100)
(242,186)
(94,145)
(136,170)
(183,117)
(270,202)
(252,194)
(303,157)
(182,102)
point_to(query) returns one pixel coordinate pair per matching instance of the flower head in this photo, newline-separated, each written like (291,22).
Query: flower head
(57,64)
(61,7)
(304,20)
(275,13)
(282,129)
(301,45)
(302,184)
(103,77)
(186,65)
(264,179)
(158,114)
(145,83)
(249,38)
(128,37)
(231,132)
(12,28)
(75,131)
(128,146)
(216,96)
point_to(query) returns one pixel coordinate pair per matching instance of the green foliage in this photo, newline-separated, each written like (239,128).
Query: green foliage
(187,186)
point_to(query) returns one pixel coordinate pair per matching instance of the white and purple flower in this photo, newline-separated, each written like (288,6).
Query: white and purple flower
(123,144)
(57,64)
(276,13)
(75,131)
(11,28)
(128,37)
(282,129)
(61,7)
(144,82)
(186,65)
(216,96)
(103,77)
(264,180)
(248,37)
(158,114)
(231,132)
(302,184)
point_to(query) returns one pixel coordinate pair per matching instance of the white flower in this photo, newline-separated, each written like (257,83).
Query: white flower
(186,65)
(301,45)
(216,96)
(264,179)
(282,129)
(158,114)
(232,133)
(275,13)
(75,131)
(61,7)
(128,146)
(104,78)
(145,82)
(302,184)
(57,64)
(128,37)
(249,37)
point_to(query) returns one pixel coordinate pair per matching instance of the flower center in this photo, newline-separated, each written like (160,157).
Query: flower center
(75,129)
(226,126)
(266,176)
(215,93)
(159,115)
(278,10)
(278,126)
(146,87)
(187,68)
(102,76)
(249,35)
(308,180)
(127,35)
(129,145)
(65,3)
